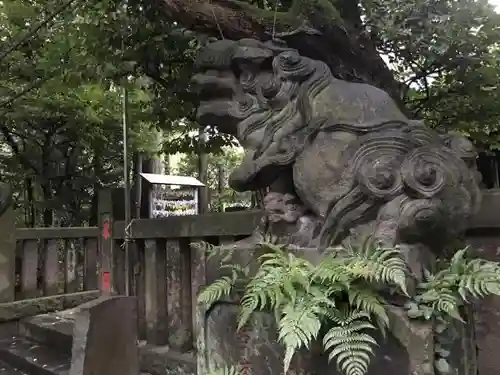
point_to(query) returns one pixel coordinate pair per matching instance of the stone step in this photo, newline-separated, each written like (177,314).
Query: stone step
(160,360)
(33,358)
(51,330)
(55,331)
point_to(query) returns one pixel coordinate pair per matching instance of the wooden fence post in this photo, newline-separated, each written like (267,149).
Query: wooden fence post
(7,255)
(106,242)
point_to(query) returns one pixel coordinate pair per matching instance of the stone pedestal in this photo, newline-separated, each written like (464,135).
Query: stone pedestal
(410,348)
(105,338)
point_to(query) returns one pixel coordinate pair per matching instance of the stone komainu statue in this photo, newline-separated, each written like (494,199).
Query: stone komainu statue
(334,160)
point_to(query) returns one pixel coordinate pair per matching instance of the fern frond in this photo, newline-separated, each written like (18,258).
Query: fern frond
(441,300)
(480,278)
(280,277)
(204,246)
(298,327)
(445,291)
(373,264)
(224,252)
(379,264)
(364,299)
(348,343)
(218,289)
(264,290)
(332,269)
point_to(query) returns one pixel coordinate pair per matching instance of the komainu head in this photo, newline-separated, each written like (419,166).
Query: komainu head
(352,159)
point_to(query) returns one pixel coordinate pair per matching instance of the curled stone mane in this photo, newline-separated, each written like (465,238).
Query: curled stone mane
(337,163)
(345,151)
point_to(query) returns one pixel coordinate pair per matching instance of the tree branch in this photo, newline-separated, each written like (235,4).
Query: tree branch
(337,42)
(15,148)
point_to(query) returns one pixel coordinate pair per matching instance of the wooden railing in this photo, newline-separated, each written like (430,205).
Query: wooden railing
(52,261)
(166,275)
(170,272)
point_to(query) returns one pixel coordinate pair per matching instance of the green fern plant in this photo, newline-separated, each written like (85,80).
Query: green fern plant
(337,296)
(224,286)
(442,294)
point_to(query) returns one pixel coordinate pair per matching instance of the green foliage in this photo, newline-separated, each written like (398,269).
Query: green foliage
(220,165)
(444,293)
(445,54)
(338,300)
(337,296)
(349,343)
(442,298)
(60,99)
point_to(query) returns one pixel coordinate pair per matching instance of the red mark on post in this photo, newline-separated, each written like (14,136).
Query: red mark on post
(106,282)
(106,232)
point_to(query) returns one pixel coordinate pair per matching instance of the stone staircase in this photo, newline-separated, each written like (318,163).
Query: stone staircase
(43,344)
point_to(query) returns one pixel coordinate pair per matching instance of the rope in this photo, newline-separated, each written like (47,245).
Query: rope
(127,238)
(216,20)
(274,18)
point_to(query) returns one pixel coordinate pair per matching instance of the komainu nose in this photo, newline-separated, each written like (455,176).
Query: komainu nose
(214,85)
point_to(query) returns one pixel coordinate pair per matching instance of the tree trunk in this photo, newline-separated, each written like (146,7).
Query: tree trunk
(30,204)
(48,213)
(327,30)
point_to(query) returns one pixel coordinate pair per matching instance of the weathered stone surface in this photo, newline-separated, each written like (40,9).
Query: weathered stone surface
(416,338)
(256,348)
(105,338)
(333,162)
(31,307)
(459,341)
(487,311)
(165,361)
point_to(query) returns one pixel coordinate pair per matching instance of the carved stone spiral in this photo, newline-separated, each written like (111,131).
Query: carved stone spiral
(375,161)
(380,177)
(290,65)
(419,216)
(421,134)
(245,106)
(248,81)
(427,170)
(382,172)
(269,88)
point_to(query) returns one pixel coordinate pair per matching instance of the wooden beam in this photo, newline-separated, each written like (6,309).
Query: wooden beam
(35,306)
(213,224)
(56,233)
(244,222)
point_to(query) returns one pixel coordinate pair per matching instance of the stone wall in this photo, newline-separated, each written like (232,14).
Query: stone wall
(484,238)
(487,312)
